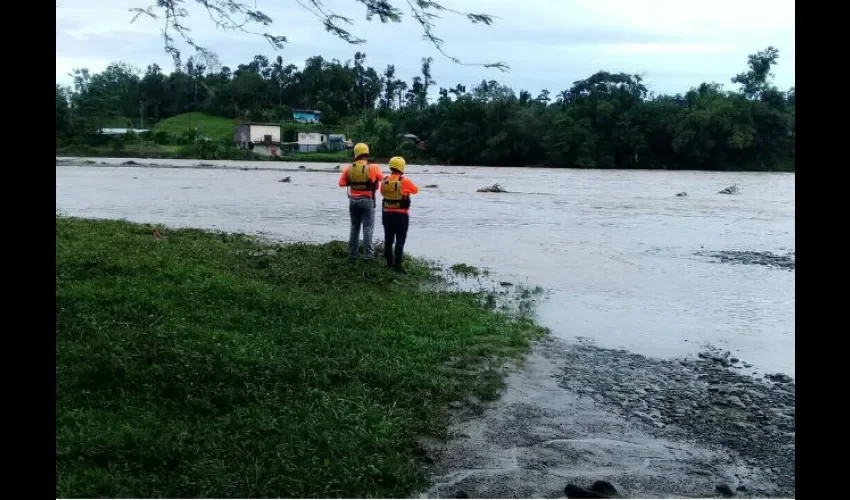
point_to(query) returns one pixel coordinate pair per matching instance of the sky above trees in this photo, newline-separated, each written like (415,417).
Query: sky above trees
(546,43)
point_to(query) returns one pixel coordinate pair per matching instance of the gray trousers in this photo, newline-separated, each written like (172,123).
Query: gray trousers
(362,211)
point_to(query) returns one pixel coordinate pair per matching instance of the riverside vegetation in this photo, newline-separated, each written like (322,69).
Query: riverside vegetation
(202,364)
(607,120)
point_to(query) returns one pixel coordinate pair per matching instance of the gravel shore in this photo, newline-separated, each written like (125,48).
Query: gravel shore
(710,400)
(576,414)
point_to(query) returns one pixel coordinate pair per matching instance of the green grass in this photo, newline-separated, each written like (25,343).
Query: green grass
(211,365)
(130,150)
(168,151)
(338,156)
(465,270)
(214,127)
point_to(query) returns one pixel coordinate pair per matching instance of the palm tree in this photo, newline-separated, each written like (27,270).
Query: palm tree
(563,97)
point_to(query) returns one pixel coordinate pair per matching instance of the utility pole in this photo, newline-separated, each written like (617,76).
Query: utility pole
(141,114)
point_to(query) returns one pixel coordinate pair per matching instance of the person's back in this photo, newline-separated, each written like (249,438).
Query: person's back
(362,179)
(396,190)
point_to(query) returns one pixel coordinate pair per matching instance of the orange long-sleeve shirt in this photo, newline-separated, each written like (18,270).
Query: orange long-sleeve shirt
(375,175)
(408,188)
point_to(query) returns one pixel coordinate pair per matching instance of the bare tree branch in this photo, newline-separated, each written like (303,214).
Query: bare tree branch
(423,17)
(234,15)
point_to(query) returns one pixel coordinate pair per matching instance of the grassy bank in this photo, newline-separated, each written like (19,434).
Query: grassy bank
(214,127)
(173,152)
(210,365)
(183,153)
(130,150)
(199,136)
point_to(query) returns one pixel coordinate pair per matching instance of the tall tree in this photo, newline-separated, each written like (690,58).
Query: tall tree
(152,90)
(757,79)
(63,116)
(390,84)
(427,81)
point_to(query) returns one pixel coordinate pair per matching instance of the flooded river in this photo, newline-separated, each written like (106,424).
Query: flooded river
(616,249)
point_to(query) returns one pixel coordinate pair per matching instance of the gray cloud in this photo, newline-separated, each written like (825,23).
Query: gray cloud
(548,43)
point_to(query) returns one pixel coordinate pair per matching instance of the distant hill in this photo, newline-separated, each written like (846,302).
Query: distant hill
(214,127)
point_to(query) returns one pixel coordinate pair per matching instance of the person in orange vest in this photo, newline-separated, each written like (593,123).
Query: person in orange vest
(396,190)
(362,180)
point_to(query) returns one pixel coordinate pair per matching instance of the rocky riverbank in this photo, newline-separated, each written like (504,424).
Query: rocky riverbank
(709,400)
(576,414)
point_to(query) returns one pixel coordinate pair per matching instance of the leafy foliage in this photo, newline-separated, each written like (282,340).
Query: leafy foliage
(608,120)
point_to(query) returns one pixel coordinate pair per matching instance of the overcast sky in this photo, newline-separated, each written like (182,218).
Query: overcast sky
(548,44)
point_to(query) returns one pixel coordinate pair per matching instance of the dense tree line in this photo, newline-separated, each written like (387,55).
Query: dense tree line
(608,120)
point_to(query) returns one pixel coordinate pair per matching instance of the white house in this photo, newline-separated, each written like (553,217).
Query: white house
(258,133)
(260,137)
(312,141)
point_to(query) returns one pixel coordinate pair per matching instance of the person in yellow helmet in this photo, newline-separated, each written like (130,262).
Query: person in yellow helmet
(396,190)
(362,180)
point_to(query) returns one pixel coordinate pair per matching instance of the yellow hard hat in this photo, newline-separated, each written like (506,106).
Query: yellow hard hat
(360,149)
(397,163)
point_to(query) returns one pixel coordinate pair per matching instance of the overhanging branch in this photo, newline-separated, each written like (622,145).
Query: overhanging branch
(237,16)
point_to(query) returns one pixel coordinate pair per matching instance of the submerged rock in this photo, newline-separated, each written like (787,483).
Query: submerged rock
(770,259)
(733,189)
(604,487)
(286,179)
(495,188)
(130,162)
(779,377)
(599,489)
(725,489)
(682,194)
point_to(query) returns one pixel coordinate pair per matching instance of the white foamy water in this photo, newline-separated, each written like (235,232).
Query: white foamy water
(615,248)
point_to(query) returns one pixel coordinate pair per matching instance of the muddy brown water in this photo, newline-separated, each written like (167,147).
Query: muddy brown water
(617,252)
(614,248)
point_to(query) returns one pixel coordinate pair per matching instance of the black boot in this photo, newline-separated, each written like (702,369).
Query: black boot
(399,269)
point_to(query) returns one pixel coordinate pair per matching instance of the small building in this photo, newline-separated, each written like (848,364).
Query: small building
(263,138)
(414,140)
(336,142)
(306,116)
(312,141)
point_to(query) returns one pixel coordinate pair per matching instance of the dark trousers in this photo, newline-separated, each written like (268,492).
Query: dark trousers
(395,233)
